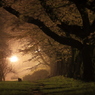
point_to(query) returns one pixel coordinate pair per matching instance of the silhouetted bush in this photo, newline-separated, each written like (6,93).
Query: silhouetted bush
(40,74)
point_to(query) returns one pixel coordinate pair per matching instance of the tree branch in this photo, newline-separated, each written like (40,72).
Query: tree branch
(12,11)
(71,29)
(47,31)
(48,10)
(85,19)
(91,5)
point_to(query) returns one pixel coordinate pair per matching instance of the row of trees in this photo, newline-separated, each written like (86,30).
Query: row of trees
(5,52)
(5,67)
(69,22)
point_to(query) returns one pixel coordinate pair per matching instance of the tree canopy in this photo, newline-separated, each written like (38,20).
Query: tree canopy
(69,22)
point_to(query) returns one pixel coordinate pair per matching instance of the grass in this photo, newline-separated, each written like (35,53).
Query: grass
(52,86)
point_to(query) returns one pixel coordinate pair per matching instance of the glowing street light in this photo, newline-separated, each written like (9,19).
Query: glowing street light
(13,59)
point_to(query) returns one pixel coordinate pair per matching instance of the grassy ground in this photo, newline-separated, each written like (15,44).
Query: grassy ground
(52,86)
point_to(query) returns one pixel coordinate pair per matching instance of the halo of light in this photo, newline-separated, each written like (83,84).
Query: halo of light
(13,58)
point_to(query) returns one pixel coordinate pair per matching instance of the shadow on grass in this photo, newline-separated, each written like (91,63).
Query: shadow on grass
(68,91)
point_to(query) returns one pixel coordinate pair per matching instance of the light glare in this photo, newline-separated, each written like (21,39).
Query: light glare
(14,59)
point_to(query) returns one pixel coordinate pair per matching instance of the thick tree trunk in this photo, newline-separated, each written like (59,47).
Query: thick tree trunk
(88,69)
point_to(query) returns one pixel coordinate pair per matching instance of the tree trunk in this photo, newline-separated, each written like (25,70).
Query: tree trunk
(88,69)
(3,78)
(77,64)
(71,67)
(60,67)
(0,78)
(53,69)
